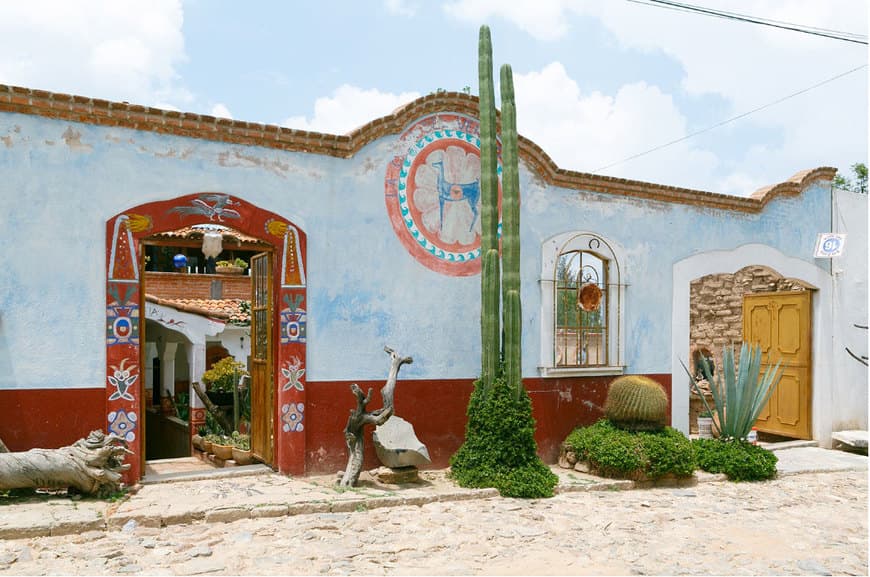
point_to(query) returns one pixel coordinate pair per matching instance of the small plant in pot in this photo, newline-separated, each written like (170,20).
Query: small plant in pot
(221,446)
(221,378)
(705,425)
(236,266)
(242,448)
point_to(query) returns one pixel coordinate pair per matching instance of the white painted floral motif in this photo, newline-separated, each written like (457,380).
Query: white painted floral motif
(122,380)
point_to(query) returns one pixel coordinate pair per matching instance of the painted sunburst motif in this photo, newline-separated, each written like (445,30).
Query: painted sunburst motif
(447,193)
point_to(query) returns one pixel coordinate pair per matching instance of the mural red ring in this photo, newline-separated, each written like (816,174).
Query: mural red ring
(432,193)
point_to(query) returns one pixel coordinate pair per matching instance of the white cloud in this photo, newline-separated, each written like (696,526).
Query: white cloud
(220,110)
(543,19)
(587,131)
(113,49)
(349,107)
(748,65)
(401,7)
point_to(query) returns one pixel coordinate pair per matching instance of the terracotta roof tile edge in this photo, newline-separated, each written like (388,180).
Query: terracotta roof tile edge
(187,308)
(102,112)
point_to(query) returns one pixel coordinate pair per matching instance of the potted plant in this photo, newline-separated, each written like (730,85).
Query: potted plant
(242,454)
(197,438)
(221,447)
(208,442)
(221,378)
(236,266)
(705,425)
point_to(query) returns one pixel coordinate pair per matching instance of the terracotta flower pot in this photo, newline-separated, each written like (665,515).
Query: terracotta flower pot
(224,452)
(206,445)
(242,457)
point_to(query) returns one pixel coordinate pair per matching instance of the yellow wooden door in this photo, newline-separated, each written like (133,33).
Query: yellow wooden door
(262,391)
(781,323)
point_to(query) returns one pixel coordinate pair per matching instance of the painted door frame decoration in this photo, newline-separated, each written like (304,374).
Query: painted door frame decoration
(124,383)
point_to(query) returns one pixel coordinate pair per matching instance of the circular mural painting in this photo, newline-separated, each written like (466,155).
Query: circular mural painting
(432,193)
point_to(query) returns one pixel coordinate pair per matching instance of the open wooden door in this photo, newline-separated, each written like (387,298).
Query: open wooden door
(781,323)
(262,390)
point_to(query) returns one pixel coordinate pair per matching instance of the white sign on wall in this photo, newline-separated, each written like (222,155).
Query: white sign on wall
(830,244)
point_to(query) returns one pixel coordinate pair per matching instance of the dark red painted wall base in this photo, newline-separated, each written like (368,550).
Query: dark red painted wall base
(57,417)
(437,408)
(50,418)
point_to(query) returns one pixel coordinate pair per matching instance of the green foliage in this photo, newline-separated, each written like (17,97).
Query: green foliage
(859,185)
(241,441)
(738,394)
(490,292)
(500,449)
(212,426)
(224,375)
(740,460)
(617,453)
(512,322)
(636,403)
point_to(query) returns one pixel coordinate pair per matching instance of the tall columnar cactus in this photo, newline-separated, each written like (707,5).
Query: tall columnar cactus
(499,449)
(510,232)
(490,333)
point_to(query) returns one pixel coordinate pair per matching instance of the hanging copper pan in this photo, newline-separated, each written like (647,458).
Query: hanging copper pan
(589,297)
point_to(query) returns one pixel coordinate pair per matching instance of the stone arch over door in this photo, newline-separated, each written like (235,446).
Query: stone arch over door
(124,315)
(732,261)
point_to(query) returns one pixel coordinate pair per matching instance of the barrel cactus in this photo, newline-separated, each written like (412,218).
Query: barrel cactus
(637,403)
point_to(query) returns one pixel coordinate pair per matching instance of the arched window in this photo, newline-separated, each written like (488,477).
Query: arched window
(582,306)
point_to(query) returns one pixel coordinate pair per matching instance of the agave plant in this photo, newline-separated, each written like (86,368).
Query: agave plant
(739,391)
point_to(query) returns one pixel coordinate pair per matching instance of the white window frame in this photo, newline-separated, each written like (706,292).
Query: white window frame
(614,255)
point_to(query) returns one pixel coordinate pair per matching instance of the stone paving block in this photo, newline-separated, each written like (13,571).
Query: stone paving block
(227,515)
(270,511)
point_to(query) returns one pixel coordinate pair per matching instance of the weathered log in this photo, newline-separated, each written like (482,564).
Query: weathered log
(359,418)
(92,465)
(213,409)
(3,447)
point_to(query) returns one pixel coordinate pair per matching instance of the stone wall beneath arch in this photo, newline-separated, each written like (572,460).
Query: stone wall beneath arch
(716,306)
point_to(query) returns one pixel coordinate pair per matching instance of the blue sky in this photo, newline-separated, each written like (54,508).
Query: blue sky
(597,81)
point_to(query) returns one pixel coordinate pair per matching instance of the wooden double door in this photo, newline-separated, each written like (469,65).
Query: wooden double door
(782,324)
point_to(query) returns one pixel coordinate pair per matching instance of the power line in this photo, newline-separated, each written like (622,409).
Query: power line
(732,119)
(824,32)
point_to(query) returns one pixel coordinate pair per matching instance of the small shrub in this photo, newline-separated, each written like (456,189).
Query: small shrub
(499,449)
(224,375)
(617,453)
(739,460)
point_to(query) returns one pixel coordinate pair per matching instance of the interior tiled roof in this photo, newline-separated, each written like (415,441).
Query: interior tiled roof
(197,232)
(224,309)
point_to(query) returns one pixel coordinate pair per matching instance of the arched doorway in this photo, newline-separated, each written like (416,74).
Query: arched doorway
(282,304)
(732,261)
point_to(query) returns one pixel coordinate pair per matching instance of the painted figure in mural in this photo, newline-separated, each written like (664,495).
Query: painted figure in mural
(452,192)
(214,206)
(448,194)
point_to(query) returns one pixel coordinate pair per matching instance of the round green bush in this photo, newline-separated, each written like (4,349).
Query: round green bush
(636,403)
(499,449)
(617,453)
(739,460)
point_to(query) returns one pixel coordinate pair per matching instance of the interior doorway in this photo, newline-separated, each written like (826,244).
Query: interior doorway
(153,231)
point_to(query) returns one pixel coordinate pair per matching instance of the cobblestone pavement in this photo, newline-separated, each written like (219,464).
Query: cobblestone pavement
(809,524)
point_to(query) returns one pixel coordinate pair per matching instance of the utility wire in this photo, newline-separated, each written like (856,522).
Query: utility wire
(824,32)
(732,119)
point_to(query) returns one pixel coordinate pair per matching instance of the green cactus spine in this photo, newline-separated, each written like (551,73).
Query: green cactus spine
(490,331)
(510,232)
(636,403)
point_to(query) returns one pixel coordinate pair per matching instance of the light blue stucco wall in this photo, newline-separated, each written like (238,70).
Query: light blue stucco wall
(61,181)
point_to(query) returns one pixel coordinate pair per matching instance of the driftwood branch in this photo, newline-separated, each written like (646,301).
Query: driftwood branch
(359,418)
(91,465)
(213,409)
